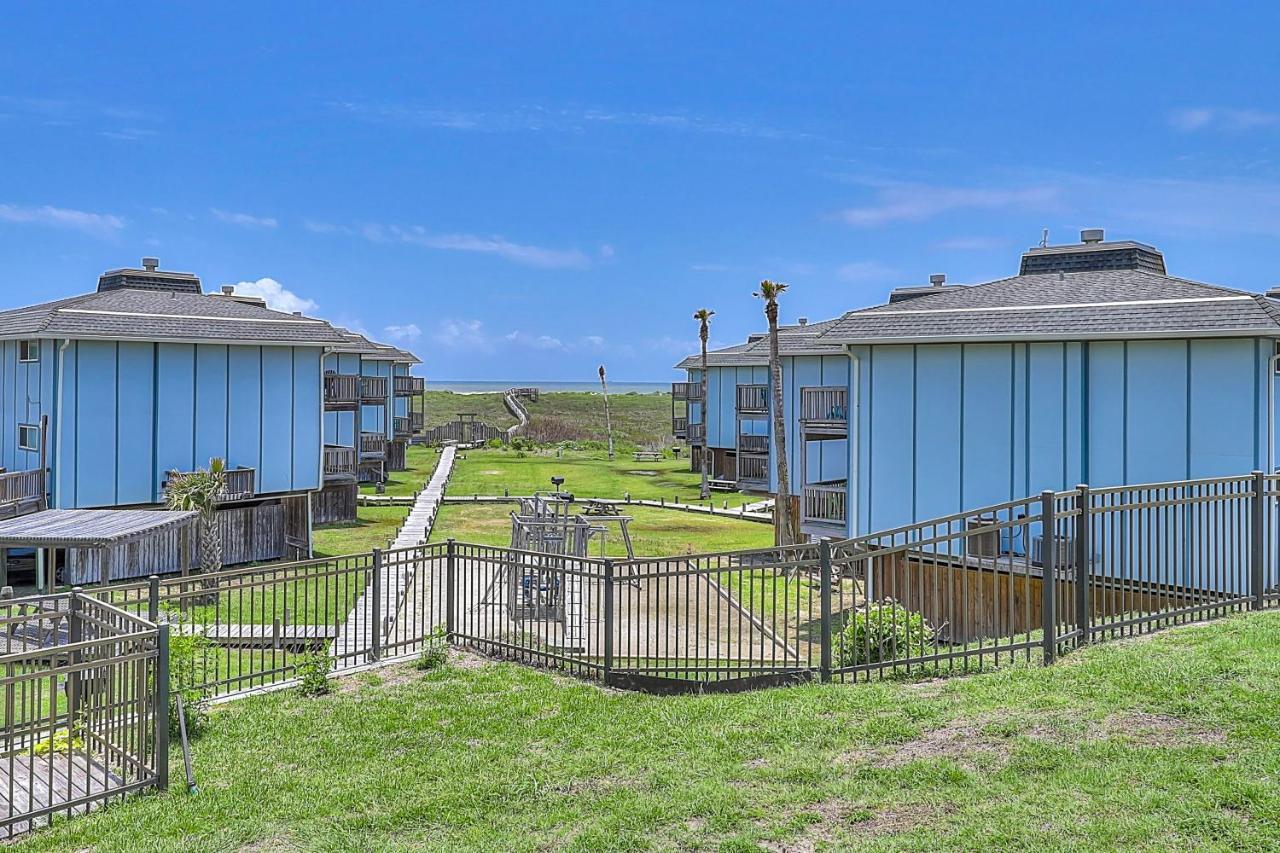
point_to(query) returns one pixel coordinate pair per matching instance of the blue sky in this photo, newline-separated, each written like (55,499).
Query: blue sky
(524,191)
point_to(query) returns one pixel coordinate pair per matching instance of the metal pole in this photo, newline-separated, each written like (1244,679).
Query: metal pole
(153,599)
(450,582)
(75,633)
(1084,550)
(162,707)
(1048,576)
(824,567)
(608,622)
(375,638)
(1259,508)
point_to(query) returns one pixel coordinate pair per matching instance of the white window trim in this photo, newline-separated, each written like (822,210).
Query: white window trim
(29,343)
(35,429)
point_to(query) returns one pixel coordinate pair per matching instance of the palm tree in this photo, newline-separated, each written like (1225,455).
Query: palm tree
(703,316)
(783,518)
(608,423)
(200,491)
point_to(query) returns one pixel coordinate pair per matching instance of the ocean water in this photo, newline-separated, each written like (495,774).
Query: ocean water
(491,386)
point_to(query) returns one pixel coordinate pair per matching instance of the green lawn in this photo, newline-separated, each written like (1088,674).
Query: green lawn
(587,473)
(377,525)
(1161,744)
(421,464)
(442,407)
(654,533)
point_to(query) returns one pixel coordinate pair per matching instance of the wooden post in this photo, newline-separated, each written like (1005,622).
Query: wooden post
(4,567)
(40,561)
(153,599)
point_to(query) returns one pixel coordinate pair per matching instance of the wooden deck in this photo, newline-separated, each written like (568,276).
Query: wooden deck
(35,785)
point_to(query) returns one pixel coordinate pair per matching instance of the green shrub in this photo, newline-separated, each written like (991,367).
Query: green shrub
(885,631)
(61,743)
(313,674)
(495,444)
(436,652)
(190,666)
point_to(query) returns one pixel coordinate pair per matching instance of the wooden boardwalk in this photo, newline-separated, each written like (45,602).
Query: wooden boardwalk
(268,636)
(40,784)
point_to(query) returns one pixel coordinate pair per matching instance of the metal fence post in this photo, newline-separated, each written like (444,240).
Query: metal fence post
(75,633)
(1048,576)
(1258,506)
(450,583)
(153,599)
(375,636)
(824,572)
(608,622)
(1084,571)
(162,707)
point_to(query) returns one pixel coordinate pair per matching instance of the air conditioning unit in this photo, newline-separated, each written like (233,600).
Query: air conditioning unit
(1064,557)
(984,541)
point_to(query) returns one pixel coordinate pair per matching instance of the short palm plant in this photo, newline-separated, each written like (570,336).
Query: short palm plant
(199,491)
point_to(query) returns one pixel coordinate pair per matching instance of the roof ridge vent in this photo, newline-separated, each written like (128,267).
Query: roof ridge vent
(1091,235)
(149,277)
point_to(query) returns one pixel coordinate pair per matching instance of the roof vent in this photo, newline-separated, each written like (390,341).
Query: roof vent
(803,321)
(1273,292)
(228,290)
(150,264)
(1094,253)
(150,277)
(1091,235)
(937,279)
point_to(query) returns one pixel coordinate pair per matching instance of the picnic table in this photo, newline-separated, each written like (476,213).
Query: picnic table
(599,506)
(647,456)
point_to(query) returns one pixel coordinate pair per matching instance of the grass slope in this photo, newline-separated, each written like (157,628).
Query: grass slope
(638,419)
(654,533)
(1167,743)
(586,473)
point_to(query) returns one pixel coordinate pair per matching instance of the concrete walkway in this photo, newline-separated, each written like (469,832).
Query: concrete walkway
(396,574)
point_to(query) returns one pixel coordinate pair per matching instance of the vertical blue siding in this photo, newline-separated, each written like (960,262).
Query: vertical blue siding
(211,403)
(937,431)
(136,480)
(1157,406)
(244,407)
(891,441)
(1222,432)
(1046,417)
(308,403)
(175,405)
(988,413)
(276,472)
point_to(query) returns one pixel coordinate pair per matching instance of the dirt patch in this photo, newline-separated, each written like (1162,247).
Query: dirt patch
(964,742)
(643,473)
(274,844)
(1140,728)
(833,818)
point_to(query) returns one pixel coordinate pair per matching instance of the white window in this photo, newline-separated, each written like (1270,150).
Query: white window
(28,437)
(28,351)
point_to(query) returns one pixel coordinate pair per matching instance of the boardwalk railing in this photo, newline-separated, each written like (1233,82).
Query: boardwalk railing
(21,492)
(84,718)
(463,431)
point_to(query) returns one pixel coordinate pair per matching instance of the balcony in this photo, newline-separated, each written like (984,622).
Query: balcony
(402,426)
(753,399)
(410,386)
(753,444)
(417,422)
(339,463)
(341,392)
(680,427)
(753,470)
(686,391)
(373,445)
(824,411)
(21,492)
(697,434)
(373,389)
(238,484)
(824,504)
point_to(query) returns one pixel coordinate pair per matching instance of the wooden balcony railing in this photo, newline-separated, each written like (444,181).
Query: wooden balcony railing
(410,386)
(417,422)
(825,407)
(697,433)
(753,399)
(753,468)
(373,389)
(753,444)
(402,426)
(686,390)
(373,444)
(680,427)
(21,492)
(238,484)
(824,503)
(339,462)
(341,390)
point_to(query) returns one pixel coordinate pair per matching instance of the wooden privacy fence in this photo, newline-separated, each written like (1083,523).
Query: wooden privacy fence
(84,719)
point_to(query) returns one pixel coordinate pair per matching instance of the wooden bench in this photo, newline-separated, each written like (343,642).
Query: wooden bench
(722,485)
(648,455)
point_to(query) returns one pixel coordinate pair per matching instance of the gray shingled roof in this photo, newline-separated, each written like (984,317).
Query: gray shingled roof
(356,342)
(734,356)
(1072,306)
(149,315)
(792,340)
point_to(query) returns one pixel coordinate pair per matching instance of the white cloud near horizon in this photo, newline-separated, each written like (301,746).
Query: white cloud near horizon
(246,220)
(277,296)
(471,334)
(1221,118)
(100,224)
(406,333)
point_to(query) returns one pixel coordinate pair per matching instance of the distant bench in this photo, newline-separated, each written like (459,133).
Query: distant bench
(648,455)
(722,485)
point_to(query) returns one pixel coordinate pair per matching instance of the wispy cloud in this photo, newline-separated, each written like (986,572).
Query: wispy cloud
(99,224)
(1222,118)
(462,335)
(538,118)
(710,267)
(244,220)
(278,297)
(916,202)
(106,120)
(535,341)
(407,333)
(473,335)
(866,272)
(520,253)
